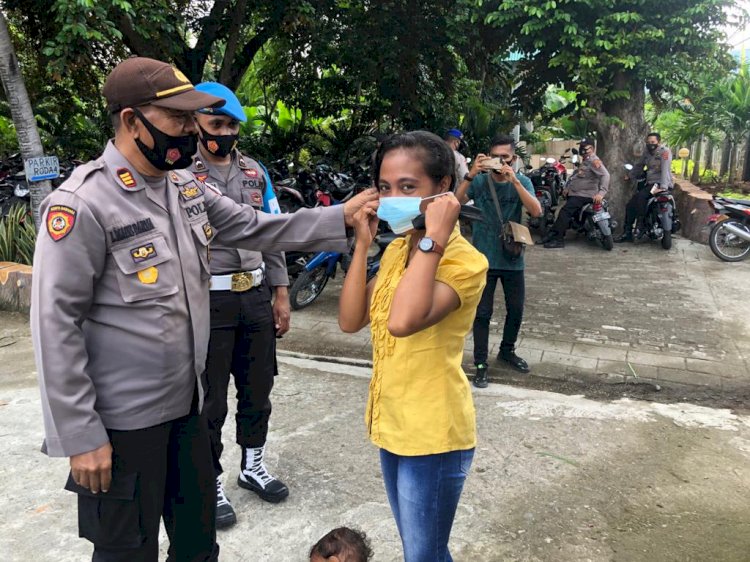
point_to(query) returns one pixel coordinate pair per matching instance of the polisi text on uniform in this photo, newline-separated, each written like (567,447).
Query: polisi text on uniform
(131,230)
(195,210)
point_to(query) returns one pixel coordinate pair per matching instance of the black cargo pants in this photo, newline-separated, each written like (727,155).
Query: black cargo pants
(160,471)
(243,343)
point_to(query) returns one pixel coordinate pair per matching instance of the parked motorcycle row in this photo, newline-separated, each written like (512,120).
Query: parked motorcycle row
(729,237)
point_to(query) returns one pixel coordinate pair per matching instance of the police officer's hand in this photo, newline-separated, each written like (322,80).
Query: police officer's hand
(598,198)
(281,310)
(476,165)
(93,470)
(357,202)
(366,224)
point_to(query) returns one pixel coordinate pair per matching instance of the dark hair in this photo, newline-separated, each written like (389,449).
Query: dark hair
(115,118)
(348,544)
(504,140)
(436,156)
(654,134)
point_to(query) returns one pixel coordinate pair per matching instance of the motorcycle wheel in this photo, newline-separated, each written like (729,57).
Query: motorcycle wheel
(666,240)
(727,246)
(308,287)
(608,242)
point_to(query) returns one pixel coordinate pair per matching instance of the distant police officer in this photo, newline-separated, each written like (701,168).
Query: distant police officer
(244,323)
(120,318)
(588,184)
(455,139)
(656,166)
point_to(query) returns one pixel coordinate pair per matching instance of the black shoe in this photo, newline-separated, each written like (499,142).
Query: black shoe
(626,236)
(513,360)
(555,243)
(225,515)
(638,236)
(255,477)
(480,378)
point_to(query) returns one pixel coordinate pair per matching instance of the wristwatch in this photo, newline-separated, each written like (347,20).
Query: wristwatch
(467,177)
(428,245)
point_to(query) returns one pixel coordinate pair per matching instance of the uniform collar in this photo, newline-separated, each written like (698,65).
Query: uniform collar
(123,172)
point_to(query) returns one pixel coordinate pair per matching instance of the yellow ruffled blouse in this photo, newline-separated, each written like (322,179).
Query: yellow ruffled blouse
(420,399)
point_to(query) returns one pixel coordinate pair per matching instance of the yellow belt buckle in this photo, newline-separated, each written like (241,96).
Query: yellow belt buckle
(241,283)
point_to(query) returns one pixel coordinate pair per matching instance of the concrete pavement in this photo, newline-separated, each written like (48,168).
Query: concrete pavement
(555,478)
(638,313)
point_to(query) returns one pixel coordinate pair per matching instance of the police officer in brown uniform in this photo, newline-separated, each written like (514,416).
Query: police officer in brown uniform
(588,184)
(120,318)
(244,321)
(656,165)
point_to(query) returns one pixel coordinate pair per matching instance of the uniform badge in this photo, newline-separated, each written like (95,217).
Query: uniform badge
(252,173)
(190,191)
(597,163)
(126,177)
(60,221)
(208,231)
(142,253)
(172,155)
(199,165)
(256,198)
(665,155)
(212,146)
(241,162)
(148,276)
(173,177)
(201,177)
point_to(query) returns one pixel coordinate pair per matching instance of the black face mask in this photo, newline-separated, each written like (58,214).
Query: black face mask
(651,147)
(218,145)
(169,153)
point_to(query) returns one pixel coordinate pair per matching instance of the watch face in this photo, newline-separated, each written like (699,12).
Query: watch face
(425,244)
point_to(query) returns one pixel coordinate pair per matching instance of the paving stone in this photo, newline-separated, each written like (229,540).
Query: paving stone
(599,352)
(547,345)
(566,360)
(622,368)
(656,359)
(688,377)
(718,368)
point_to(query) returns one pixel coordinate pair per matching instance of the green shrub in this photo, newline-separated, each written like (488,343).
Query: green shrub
(17,236)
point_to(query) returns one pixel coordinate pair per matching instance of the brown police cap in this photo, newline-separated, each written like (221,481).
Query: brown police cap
(140,81)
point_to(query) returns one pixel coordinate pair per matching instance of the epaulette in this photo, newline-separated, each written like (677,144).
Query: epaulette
(79,175)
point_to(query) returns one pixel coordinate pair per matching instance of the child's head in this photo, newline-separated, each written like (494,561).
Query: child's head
(417,163)
(342,545)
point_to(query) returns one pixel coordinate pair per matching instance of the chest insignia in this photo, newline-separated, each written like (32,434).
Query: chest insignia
(142,253)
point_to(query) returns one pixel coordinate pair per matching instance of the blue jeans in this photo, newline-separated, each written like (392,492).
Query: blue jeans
(423,492)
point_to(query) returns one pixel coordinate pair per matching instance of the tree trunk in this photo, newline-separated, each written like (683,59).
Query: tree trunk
(695,178)
(621,128)
(726,151)
(710,155)
(23,117)
(733,162)
(746,167)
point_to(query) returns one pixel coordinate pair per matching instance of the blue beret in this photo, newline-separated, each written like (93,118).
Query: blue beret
(232,107)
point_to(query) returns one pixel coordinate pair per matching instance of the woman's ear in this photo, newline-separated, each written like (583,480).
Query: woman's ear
(445,184)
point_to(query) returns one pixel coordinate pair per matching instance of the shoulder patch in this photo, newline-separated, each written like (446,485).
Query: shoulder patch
(597,163)
(126,177)
(60,221)
(665,155)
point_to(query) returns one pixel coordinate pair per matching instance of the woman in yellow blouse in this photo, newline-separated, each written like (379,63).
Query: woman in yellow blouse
(420,411)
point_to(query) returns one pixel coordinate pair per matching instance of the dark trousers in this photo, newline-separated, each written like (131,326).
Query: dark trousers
(636,208)
(572,208)
(161,471)
(514,287)
(243,342)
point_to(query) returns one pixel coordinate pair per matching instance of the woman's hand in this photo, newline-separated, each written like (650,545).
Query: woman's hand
(441,216)
(366,223)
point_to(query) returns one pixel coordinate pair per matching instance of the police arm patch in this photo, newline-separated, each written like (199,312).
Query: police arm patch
(665,155)
(597,163)
(60,221)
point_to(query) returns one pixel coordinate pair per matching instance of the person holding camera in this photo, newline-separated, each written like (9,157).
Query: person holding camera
(589,183)
(514,192)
